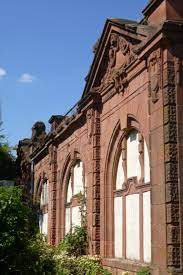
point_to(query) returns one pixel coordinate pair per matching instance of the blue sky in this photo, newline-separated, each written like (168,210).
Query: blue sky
(45,54)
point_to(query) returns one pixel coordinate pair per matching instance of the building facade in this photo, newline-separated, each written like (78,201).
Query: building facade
(121,146)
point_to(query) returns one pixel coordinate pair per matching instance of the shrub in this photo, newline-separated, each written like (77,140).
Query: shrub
(71,256)
(75,242)
(144,271)
(90,266)
(21,250)
(83,265)
(14,226)
(39,256)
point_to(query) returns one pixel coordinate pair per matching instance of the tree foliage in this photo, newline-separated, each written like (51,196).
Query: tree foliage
(7,161)
(75,242)
(144,271)
(21,250)
(71,258)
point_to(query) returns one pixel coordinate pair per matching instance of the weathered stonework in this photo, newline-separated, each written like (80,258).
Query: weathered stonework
(53,190)
(154,68)
(96,182)
(135,82)
(171,169)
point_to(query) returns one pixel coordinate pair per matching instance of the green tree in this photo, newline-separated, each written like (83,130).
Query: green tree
(7,161)
(21,252)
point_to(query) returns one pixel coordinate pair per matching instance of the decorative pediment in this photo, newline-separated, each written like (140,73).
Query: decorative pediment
(118,56)
(114,53)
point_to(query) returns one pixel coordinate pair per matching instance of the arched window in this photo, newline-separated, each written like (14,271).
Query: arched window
(75,187)
(43,216)
(132,214)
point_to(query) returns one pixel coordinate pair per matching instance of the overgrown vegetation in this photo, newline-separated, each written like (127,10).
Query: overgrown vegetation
(83,265)
(23,250)
(75,242)
(144,271)
(71,256)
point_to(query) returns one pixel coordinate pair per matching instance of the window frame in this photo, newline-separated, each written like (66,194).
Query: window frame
(44,205)
(130,186)
(74,199)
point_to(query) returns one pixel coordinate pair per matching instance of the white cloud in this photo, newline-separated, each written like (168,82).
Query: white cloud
(2,73)
(26,78)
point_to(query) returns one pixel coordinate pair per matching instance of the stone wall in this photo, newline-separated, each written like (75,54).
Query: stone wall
(135,82)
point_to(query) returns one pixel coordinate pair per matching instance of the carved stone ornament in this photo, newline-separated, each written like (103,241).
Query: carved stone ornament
(178,63)
(90,124)
(115,72)
(113,49)
(154,68)
(38,134)
(179,71)
(120,80)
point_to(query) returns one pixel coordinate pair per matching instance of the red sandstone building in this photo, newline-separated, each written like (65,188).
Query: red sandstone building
(122,147)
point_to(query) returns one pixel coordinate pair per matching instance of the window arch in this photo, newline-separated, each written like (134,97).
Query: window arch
(132,215)
(44,200)
(75,186)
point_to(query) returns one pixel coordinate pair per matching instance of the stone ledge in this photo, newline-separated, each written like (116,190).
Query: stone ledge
(123,264)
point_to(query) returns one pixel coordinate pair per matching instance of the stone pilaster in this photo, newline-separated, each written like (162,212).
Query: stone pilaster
(171,170)
(96,184)
(53,184)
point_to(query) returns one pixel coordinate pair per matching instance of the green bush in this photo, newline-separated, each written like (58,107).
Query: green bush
(39,256)
(144,271)
(21,250)
(75,242)
(83,265)
(71,256)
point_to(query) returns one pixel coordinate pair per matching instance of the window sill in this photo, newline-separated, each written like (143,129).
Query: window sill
(125,265)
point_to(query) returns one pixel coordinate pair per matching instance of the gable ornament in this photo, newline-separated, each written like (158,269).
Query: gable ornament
(115,73)
(113,49)
(120,80)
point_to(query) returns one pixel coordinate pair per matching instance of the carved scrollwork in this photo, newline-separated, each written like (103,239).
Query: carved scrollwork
(154,69)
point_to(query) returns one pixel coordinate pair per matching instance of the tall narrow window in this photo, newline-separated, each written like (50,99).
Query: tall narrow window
(132,215)
(133,165)
(43,217)
(75,189)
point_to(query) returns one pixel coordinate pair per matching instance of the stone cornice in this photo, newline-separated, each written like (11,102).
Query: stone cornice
(153,4)
(91,100)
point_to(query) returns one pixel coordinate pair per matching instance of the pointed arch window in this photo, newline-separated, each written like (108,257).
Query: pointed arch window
(75,187)
(132,214)
(43,216)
